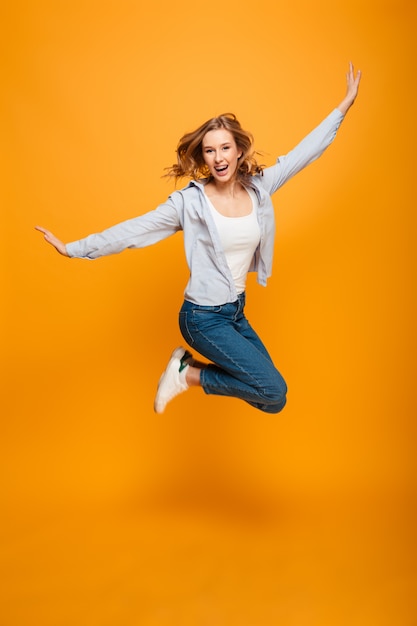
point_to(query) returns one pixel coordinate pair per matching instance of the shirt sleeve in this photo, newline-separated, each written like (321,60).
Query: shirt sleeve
(307,151)
(138,232)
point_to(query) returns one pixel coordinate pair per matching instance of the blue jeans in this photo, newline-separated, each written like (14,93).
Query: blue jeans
(240,364)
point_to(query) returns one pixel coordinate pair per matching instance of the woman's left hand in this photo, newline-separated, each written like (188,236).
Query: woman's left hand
(352,88)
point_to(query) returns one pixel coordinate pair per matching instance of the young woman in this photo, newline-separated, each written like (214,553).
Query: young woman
(227,219)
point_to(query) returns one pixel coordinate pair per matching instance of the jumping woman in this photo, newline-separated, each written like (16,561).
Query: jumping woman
(227,218)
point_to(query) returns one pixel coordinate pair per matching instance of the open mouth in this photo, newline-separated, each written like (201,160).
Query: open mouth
(222,169)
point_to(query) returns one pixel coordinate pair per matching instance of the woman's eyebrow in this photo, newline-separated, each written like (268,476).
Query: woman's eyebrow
(226,143)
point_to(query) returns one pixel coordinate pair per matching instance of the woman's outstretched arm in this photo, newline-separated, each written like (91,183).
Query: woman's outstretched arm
(138,232)
(352,86)
(315,143)
(54,241)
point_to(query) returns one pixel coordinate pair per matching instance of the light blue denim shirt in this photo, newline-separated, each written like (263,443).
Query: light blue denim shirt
(211,281)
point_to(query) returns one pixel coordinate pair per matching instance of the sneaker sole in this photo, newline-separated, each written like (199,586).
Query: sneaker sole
(177,354)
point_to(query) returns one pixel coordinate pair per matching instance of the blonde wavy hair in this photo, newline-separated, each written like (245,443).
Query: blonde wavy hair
(190,161)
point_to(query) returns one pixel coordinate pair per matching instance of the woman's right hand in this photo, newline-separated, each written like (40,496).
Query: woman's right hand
(54,241)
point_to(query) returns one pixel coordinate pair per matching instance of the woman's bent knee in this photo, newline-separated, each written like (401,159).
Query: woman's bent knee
(275,408)
(275,398)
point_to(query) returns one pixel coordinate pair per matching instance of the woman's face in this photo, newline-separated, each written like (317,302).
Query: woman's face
(220,154)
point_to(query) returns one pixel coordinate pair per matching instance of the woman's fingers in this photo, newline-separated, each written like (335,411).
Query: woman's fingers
(54,241)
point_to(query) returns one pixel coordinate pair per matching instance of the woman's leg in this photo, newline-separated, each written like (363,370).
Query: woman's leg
(241,366)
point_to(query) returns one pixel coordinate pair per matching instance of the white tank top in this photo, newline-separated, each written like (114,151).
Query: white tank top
(240,237)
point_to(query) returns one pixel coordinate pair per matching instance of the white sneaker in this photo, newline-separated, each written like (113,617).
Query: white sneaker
(172,381)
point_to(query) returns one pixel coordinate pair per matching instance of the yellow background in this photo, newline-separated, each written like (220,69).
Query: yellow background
(212,514)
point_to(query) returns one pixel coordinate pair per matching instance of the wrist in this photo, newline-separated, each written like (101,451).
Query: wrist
(345,105)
